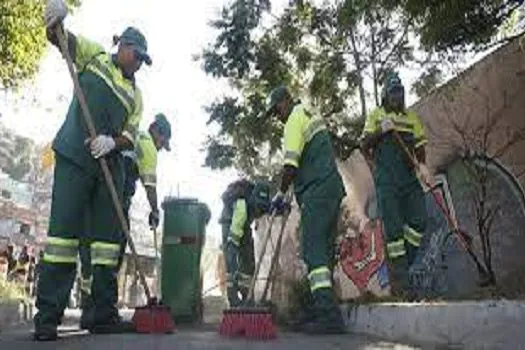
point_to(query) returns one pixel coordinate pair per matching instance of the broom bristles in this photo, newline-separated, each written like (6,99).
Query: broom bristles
(153,319)
(252,323)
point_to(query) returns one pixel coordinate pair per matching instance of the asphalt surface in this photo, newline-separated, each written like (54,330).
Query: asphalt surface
(189,339)
(205,337)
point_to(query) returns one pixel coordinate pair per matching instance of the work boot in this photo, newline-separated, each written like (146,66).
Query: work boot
(299,320)
(327,315)
(88,311)
(399,278)
(233,297)
(45,333)
(112,326)
(86,319)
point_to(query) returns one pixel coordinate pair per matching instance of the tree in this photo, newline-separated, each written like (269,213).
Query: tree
(22,39)
(329,54)
(451,24)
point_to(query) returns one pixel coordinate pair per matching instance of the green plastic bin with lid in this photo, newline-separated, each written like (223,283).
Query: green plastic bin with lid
(184,233)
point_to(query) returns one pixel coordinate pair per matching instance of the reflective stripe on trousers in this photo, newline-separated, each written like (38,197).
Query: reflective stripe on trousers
(320,277)
(61,250)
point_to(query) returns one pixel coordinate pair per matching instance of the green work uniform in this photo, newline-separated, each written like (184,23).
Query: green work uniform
(140,163)
(237,242)
(319,190)
(79,187)
(400,196)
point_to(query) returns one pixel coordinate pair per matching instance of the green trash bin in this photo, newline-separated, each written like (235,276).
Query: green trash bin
(184,229)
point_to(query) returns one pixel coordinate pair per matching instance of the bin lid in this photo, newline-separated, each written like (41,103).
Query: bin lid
(179,201)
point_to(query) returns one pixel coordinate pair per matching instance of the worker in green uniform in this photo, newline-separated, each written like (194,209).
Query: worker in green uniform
(309,163)
(115,103)
(138,163)
(142,164)
(244,201)
(400,197)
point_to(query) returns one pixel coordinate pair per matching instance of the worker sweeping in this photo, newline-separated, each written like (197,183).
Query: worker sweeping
(142,164)
(401,199)
(138,163)
(243,201)
(309,163)
(114,101)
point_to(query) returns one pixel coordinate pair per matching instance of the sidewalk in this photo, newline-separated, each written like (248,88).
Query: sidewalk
(498,324)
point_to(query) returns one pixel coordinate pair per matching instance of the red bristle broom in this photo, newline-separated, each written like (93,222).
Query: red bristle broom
(154,317)
(254,322)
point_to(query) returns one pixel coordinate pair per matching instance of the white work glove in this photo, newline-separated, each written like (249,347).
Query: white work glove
(56,11)
(101,145)
(387,125)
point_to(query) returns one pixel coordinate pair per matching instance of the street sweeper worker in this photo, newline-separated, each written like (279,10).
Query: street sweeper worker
(138,163)
(309,164)
(114,101)
(141,163)
(400,197)
(244,201)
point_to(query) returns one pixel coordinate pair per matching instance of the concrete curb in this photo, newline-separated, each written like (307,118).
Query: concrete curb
(472,325)
(14,313)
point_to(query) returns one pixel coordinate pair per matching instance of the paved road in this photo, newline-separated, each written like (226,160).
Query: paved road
(189,339)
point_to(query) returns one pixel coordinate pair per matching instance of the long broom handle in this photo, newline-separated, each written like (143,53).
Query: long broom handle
(261,255)
(451,222)
(275,257)
(103,163)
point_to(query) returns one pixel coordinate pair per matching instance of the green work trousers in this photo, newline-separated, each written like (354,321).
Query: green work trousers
(80,192)
(240,264)
(320,207)
(404,216)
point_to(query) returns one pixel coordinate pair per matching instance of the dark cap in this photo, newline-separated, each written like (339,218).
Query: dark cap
(164,128)
(276,96)
(133,37)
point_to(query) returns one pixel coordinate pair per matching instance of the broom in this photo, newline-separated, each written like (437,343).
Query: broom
(154,317)
(464,238)
(251,321)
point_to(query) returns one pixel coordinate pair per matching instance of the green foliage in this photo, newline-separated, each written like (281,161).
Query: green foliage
(333,56)
(325,54)
(22,39)
(427,81)
(450,24)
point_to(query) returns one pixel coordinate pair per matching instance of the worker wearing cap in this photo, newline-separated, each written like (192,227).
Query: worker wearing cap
(138,163)
(142,164)
(309,163)
(244,201)
(400,196)
(115,103)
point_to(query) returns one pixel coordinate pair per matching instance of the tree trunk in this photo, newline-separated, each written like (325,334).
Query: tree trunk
(357,59)
(374,66)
